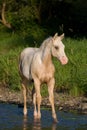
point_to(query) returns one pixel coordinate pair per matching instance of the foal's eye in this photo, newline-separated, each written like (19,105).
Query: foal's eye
(56,47)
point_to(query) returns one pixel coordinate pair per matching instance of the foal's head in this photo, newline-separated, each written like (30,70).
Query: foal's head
(58,49)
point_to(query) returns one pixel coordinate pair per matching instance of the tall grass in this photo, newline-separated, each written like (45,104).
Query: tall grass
(71,77)
(10,47)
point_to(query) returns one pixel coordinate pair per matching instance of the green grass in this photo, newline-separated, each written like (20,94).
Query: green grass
(72,77)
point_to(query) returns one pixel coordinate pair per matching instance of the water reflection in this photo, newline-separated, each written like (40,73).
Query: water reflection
(25,122)
(36,124)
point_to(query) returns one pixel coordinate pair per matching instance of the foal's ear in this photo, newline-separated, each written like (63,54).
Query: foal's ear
(61,36)
(56,35)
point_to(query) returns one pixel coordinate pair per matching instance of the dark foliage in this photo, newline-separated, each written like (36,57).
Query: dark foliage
(67,16)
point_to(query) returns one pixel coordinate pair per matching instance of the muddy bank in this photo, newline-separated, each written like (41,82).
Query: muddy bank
(62,101)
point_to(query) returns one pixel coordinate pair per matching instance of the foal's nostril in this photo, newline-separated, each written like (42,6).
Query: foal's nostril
(63,56)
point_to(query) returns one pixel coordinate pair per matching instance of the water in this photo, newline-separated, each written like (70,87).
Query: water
(11,118)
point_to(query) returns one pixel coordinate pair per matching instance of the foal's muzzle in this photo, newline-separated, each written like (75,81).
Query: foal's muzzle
(63,60)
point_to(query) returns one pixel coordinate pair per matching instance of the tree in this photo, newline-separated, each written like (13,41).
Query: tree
(67,15)
(3,18)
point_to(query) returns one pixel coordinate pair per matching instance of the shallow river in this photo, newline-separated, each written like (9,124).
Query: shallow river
(11,118)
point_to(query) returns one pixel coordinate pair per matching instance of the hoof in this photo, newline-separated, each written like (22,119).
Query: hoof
(55,120)
(39,116)
(25,112)
(35,115)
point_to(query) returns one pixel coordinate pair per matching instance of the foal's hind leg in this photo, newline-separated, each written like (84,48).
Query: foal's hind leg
(51,84)
(24,85)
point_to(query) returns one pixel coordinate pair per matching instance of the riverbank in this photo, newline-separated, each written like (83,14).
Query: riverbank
(63,101)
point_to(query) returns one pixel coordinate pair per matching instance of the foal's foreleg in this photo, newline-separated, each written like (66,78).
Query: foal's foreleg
(51,84)
(25,98)
(38,97)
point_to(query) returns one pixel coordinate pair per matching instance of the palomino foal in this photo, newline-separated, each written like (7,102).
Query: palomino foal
(36,64)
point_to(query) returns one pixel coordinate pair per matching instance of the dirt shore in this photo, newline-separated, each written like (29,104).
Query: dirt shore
(63,101)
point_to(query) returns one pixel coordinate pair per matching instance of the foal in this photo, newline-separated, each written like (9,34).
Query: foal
(36,64)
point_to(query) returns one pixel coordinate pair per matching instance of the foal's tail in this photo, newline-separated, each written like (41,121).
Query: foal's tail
(20,65)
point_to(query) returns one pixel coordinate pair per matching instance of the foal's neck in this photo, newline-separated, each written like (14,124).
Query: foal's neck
(47,59)
(46,55)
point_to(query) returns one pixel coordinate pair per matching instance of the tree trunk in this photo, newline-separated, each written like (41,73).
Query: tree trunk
(3,20)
